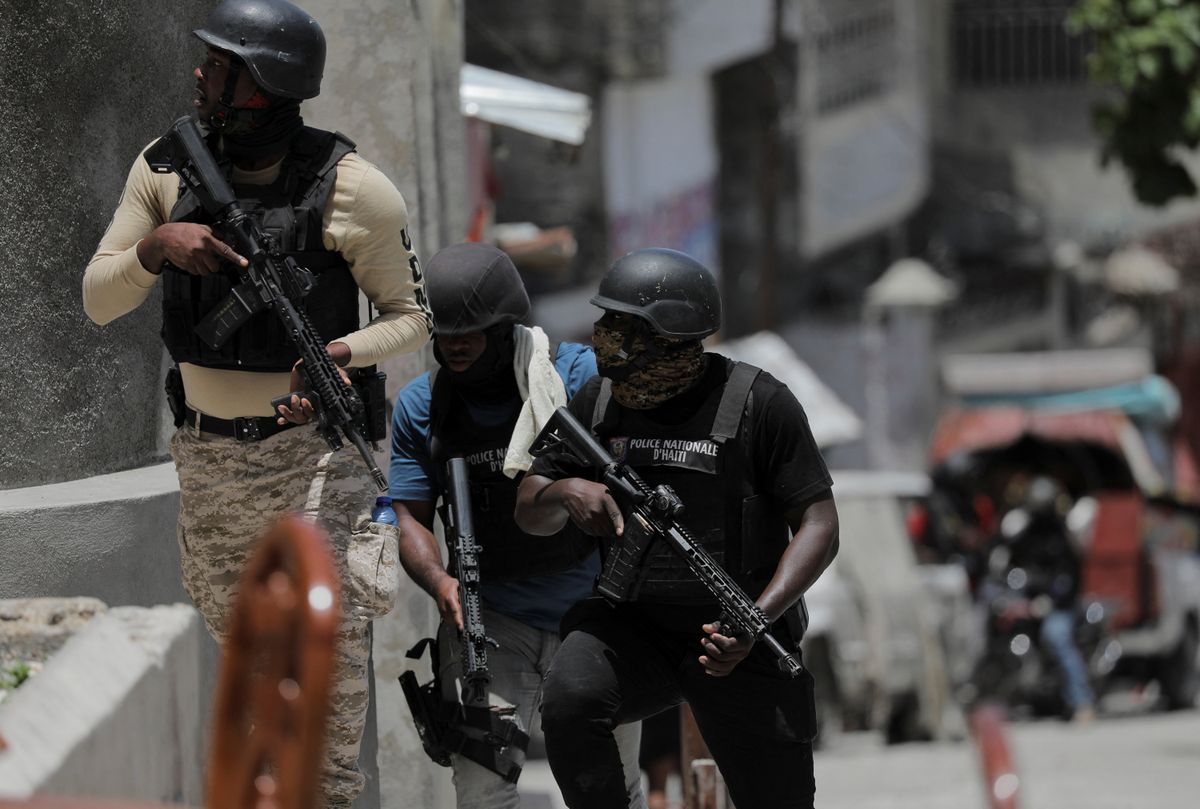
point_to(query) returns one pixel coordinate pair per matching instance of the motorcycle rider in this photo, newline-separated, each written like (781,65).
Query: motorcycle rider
(1045,549)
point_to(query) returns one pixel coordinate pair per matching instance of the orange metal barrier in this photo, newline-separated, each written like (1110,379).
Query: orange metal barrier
(989,729)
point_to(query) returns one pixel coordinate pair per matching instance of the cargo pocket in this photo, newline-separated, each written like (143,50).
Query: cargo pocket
(798,711)
(784,709)
(373,569)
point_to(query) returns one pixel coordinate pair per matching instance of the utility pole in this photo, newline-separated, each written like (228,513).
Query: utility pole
(778,85)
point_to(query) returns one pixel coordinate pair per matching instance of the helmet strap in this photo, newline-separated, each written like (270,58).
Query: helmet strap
(228,118)
(265,123)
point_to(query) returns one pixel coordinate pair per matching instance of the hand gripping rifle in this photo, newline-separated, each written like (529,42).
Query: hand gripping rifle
(475,729)
(271,281)
(652,515)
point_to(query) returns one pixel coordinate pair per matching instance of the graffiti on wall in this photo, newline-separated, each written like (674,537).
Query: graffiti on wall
(683,221)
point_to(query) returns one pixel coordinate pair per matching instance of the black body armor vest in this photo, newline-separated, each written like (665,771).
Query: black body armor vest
(705,460)
(291,209)
(508,552)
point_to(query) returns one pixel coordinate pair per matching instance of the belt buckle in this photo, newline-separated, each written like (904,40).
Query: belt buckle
(246,429)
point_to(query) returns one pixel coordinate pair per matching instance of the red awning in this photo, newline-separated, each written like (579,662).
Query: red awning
(989,427)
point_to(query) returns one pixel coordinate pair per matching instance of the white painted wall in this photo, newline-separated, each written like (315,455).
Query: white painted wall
(863,169)
(660,164)
(866,166)
(706,35)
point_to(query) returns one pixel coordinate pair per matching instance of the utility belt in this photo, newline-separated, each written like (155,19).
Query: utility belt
(243,428)
(489,736)
(368,381)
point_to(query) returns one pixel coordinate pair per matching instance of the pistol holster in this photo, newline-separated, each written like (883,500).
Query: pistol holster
(176,399)
(488,736)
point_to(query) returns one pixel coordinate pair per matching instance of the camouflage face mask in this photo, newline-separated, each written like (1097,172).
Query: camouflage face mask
(646,369)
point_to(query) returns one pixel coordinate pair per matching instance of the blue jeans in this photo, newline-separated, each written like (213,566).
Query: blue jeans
(1058,632)
(518,668)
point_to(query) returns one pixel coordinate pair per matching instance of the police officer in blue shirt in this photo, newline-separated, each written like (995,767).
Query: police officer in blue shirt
(493,374)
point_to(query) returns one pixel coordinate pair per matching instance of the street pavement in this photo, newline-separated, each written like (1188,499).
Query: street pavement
(1135,760)
(1132,761)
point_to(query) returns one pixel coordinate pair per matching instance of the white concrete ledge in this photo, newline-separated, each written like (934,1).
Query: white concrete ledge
(113,714)
(111,537)
(143,483)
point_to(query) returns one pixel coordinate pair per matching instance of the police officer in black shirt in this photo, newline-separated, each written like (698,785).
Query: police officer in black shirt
(735,445)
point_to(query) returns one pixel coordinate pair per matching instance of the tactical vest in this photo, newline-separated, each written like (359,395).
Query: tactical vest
(706,461)
(508,552)
(291,209)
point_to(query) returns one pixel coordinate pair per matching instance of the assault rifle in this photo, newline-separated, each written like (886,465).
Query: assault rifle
(485,734)
(652,515)
(460,537)
(272,281)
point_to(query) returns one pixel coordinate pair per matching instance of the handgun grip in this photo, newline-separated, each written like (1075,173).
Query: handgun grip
(286,400)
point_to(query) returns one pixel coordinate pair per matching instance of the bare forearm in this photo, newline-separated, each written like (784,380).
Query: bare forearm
(540,509)
(151,253)
(420,555)
(812,548)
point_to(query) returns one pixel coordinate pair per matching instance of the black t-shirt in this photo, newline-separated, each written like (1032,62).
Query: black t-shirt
(788,467)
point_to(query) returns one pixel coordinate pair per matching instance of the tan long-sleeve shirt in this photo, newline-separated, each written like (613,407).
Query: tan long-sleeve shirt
(366,221)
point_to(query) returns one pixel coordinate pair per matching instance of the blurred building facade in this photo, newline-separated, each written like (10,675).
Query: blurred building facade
(801,147)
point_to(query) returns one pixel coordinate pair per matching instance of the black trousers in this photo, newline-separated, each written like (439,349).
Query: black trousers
(623,663)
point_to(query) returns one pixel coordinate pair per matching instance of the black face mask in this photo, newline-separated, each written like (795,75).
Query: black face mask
(646,369)
(491,377)
(255,130)
(269,130)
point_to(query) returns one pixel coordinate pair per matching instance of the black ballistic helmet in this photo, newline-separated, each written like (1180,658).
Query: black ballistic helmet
(282,45)
(472,287)
(670,290)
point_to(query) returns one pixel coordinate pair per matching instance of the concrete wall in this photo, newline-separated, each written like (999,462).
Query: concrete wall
(112,714)
(391,84)
(111,537)
(86,85)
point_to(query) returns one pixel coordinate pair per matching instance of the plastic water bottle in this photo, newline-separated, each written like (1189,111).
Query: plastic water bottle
(383,511)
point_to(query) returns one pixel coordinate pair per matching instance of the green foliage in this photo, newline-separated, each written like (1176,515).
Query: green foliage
(1148,51)
(12,676)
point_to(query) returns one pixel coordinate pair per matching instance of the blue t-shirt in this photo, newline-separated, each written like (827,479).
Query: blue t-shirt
(539,601)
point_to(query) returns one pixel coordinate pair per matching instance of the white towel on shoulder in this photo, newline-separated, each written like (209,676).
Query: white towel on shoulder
(542,392)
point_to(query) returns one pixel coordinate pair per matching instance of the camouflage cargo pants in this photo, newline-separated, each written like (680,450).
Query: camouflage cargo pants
(229,492)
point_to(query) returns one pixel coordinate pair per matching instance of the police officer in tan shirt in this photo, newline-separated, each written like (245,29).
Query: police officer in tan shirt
(239,463)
